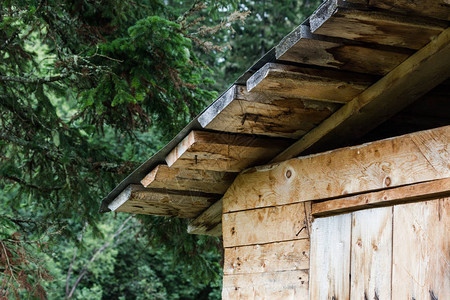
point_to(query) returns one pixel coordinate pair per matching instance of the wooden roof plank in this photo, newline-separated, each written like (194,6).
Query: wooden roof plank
(439,9)
(262,114)
(223,152)
(188,180)
(139,200)
(308,83)
(341,19)
(413,78)
(302,46)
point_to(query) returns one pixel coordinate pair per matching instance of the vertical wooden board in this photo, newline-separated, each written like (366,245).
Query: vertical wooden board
(289,285)
(421,250)
(273,257)
(371,254)
(264,225)
(330,258)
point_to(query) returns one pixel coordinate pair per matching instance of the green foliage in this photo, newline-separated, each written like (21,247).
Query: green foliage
(89,90)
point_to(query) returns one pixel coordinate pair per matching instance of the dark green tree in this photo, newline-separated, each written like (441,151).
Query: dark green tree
(88,90)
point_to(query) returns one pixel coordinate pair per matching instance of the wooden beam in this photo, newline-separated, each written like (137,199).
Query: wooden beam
(409,81)
(239,111)
(439,9)
(308,83)
(264,225)
(273,286)
(139,200)
(408,159)
(273,257)
(208,222)
(163,177)
(223,152)
(342,19)
(403,194)
(302,46)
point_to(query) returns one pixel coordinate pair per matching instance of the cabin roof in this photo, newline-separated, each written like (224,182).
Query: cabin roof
(350,73)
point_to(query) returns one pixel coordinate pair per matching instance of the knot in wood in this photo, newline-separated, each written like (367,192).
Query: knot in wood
(288,173)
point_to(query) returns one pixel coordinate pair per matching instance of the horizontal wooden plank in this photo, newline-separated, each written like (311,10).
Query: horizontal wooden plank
(289,285)
(302,46)
(403,194)
(139,200)
(308,83)
(264,225)
(340,19)
(421,250)
(207,222)
(262,114)
(223,152)
(408,159)
(188,180)
(413,78)
(273,257)
(439,9)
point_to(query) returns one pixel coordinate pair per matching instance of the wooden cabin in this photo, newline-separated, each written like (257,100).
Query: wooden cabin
(326,166)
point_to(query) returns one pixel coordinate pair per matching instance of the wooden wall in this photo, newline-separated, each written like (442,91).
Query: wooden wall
(396,246)
(266,253)
(397,252)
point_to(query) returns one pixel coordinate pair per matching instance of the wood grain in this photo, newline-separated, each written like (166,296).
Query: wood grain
(223,152)
(302,46)
(330,258)
(415,192)
(207,222)
(372,166)
(139,200)
(188,180)
(371,254)
(340,19)
(439,9)
(264,225)
(308,83)
(289,285)
(273,257)
(421,251)
(263,114)
(413,78)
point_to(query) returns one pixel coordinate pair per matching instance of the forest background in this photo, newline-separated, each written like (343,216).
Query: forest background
(89,89)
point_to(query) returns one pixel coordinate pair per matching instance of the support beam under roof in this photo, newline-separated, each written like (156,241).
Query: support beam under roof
(409,81)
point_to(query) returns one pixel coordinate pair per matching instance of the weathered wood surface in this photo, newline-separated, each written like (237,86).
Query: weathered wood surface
(288,285)
(372,166)
(415,192)
(205,181)
(439,9)
(308,83)
(263,114)
(340,19)
(413,78)
(371,254)
(302,46)
(421,251)
(273,257)
(223,152)
(207,223)
(264,225)
(330,258)
(139,200)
